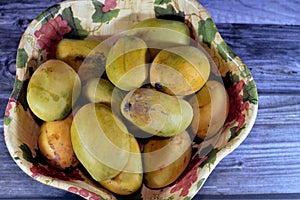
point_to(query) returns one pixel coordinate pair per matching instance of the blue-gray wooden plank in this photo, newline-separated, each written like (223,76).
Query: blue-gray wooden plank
(266,165)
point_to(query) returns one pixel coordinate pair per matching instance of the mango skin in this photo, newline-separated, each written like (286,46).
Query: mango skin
(156,113)
(165,159)
(100,141)
(87,57)
(74,52)
(131,178)
(211,107)
(98,90)
(52,90)
(149,29)
(55,145)
(126,65)
(180,70)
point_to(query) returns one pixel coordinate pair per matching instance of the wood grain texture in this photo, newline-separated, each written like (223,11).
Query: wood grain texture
(271,52)
(265,35)
(254,12)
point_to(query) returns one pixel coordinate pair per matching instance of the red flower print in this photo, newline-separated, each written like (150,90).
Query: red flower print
(188,177)
(109,5)
(9,106)
(51,33)
(84,193)
(237,106)
(73,189)
(48,171)
(94,196)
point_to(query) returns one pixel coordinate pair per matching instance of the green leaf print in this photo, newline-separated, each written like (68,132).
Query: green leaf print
(101,17)
(27,154)
(45,16)
(208,30)
(171,198)
(168,13)
(211,157)
(187,198)
(22,58)
(161,2)
(229,79)
(234,133)
(47,181)
(77,31)
(246,72)
(19,92)
(200,182)
(80,31)
(7,120)
(249,93)
(225,51)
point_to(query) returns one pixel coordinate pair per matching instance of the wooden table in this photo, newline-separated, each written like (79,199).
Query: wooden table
(265,34)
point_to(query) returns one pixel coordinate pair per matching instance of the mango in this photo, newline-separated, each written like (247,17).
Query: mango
(74,51)
(131,178)
(98,90)
(55,145)
(87,57)
(52,90)
(156,113)
(180,70)
(126,65)
(161,34)
(211,107)
(100,141)
(166,159)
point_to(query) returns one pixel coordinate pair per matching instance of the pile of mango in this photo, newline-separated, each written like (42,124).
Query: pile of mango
(131,119)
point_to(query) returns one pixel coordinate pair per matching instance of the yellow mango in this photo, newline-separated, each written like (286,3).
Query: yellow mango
(74,51)
(126,65)
(87,57)
(180,70)
(131,178)
(100,141)
(165,159)
(211,107)
(161,34)
(98,90)
(156,113)
(52,90)
(55,145)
